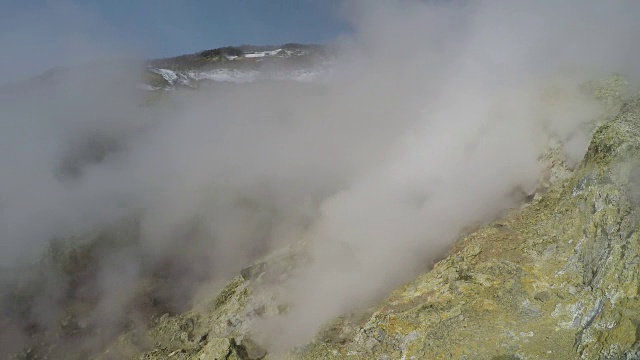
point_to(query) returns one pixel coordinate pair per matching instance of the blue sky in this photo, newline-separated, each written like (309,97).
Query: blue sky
(38,34)
(179,26)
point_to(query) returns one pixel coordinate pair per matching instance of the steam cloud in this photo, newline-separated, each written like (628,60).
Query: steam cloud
(433,114)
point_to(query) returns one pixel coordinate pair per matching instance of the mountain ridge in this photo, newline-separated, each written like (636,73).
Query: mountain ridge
(229,64)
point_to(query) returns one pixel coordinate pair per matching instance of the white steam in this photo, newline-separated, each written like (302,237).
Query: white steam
(496,83)
(433,114)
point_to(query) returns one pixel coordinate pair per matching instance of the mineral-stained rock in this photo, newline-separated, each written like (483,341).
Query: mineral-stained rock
(220,329)
(216,349)
(557,279)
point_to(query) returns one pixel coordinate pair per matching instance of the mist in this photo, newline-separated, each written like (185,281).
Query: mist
(433,116)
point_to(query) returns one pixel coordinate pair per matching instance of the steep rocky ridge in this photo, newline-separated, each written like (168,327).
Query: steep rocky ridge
(240,64)
(557,279)
(226,65)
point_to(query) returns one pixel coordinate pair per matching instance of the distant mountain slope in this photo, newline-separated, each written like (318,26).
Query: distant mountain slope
(240,64)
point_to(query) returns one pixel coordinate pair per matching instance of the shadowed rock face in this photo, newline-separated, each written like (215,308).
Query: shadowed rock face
(557,279)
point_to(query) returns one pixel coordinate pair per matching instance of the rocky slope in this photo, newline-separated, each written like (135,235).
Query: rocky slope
(241,64)
(227,65)
(558,278)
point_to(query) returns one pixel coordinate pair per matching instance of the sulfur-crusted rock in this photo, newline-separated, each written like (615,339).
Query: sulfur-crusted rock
(559,279)
(218,329)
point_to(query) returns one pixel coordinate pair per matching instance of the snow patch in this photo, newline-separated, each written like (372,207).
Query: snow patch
(191,77)
(259,54)
(168,75)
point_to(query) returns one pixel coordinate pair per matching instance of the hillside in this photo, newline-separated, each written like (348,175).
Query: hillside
(554,279)
(240,64)
(198,208)
(226,65)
